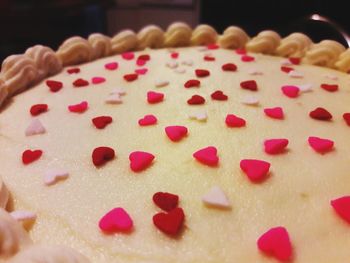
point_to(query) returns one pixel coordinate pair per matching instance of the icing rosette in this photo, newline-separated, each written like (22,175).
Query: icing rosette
(150,36)
(203,35)
(325,53)
(4,195)
(75,50)
(265,42)
(177,35)
(3,92)
(233,37)
(343,63)
(13,237)
(125,40)
(45,59)
(294,45)
(101,45)
(18,72)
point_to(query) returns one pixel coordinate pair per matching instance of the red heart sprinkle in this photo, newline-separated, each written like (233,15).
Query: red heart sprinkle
(276,243)
(130,77)
(116,220)
(241,51)
(320,114)
(128,55)
(275,113)
(78,108)
(275,146)
(286,69)
(341,206)
(207,156)
(176,133)
(141,62)
(140,161)
(218,95)
(209,58)
(247,58)
(249,85)
(234,121)
(73,70)
(111,65)
(29,156)
(102,121)
(200,73)
(154,97)
(196,100)
(144,57)
(101,155)
(80,83)
(256,170)
(148,120)
(346,117)
(212,46)
(320,145)
(290,91)
(141,71)
(229,67)
(98,80)
(166,201)
(54,85)
(37,109)
(174,55)
(330,87)
(295,61)
(192,83)
(170,223)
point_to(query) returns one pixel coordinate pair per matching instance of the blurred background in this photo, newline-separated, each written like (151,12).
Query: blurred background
(24,23)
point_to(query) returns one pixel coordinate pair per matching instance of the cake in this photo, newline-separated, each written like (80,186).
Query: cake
(177,146)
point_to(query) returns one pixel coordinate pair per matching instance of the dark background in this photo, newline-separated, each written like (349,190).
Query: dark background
(24,23)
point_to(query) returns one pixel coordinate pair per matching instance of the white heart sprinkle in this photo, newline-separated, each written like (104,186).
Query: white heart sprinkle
(35,127)
(114,98)
(295,74)
(216,197)
(199,116)
(254,72)
(161,83)
(172,64)
(332,77)
(305,87)
(52,176)
(24,217)
(187,62)
(180,70)
(286,62)
(202,49)
(119,91)
(250,100)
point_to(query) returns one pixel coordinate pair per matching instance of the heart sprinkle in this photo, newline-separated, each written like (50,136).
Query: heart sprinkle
(196,100)
(141,71)
(294,61)
(130,77)
(180,70)
(234,121)
(209,58)
(229,67)
(250,100)
(128,55)
(249,85)
(212,46)
(34,128)
(341,206)
(111,65)
(320,145)
(116,220)
(275,146)
(98,80)
(29,156)
(101,155)
(276,243)
(172,64)
(170,223)
(290,91)
(256,170)
(255,72)
(165,201)
(80,83)
(37,109)
(286,69)
(188,62)
(174,55)
(215,197)
(154,97)
(102,121)
(330,87)
(295,74)
(53,176)
(161,83)
(192,83)
(140,161)
(207,156)
(144,57)
(54,85)
(247,58)
(346,117)
(78,108)
(199,116)
(114,98)
(73,70)
(200,73)
(305,88)
(275,113)
(218,95)
(320,114)
(148,120)
(176,133)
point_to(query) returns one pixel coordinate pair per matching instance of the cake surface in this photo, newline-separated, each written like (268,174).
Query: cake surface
(294,193)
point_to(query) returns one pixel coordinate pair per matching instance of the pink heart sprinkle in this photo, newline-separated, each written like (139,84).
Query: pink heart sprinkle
(207,156)
(116,220)
(78,108)
(128,55)
(256,170)
(154,97)
(148,120)
(320,145)
(111,66)
(140,161)
(176,133)
(275,113)
(98,80)
(276,243)
(140,62)
(247,58)
(290,91)
(141,71)
(341,206)
(234,121)
(275,146)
